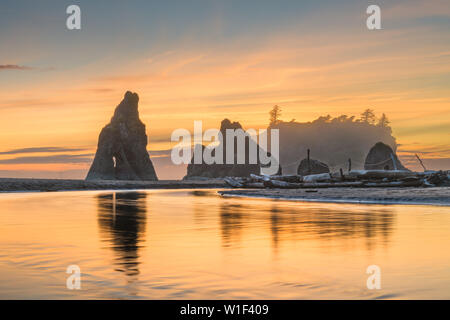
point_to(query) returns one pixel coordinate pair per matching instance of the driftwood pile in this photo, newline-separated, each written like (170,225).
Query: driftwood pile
(356,179)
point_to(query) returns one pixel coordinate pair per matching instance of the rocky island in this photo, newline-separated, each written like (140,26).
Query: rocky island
(203,170)
(122,146)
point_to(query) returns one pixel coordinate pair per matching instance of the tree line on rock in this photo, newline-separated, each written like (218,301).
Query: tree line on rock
(332,140)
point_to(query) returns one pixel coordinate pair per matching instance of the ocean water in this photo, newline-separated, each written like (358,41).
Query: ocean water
(195,244)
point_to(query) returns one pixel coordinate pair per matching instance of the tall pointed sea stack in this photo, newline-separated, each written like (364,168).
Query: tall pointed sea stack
(122,146)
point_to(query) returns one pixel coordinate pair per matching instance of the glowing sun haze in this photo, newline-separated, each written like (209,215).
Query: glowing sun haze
(207,60)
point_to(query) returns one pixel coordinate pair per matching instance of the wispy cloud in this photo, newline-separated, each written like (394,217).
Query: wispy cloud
(160,152)
(61,158)
(430,163)
(41,150)
(433,128)
(14,67)
(18,67)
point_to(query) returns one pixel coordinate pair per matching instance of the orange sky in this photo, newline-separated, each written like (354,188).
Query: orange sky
(327,62)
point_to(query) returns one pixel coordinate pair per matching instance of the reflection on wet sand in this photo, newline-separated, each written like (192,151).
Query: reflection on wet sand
(232,221)
(122,220)
(305,222)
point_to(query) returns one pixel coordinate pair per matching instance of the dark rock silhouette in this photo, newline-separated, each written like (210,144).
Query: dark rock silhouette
(122,146)
(380,158)
(204,170)
(314,167)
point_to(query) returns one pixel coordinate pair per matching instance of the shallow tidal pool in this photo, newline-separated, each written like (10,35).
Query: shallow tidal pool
(195,244)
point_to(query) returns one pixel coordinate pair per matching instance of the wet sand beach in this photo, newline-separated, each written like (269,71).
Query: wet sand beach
(433,196)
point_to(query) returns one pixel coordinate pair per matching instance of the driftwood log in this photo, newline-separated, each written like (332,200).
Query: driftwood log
(355,179)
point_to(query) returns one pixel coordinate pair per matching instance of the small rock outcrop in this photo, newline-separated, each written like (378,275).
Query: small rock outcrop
(122,146)
(382,157)
(203,170)
(314,167)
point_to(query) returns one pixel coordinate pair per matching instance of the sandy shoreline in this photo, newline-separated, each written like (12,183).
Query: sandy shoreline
(47,185)
(420,196)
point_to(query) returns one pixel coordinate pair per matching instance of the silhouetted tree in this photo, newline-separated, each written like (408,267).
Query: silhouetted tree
(368,116)
(323,119)
(383,121)
(275,114)
(343,118)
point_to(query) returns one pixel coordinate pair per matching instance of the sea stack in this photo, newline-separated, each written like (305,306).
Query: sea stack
(204,170)
(312,166)
(382,157)
(122,146)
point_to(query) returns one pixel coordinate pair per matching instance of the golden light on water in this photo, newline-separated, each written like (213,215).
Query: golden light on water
(196,244)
